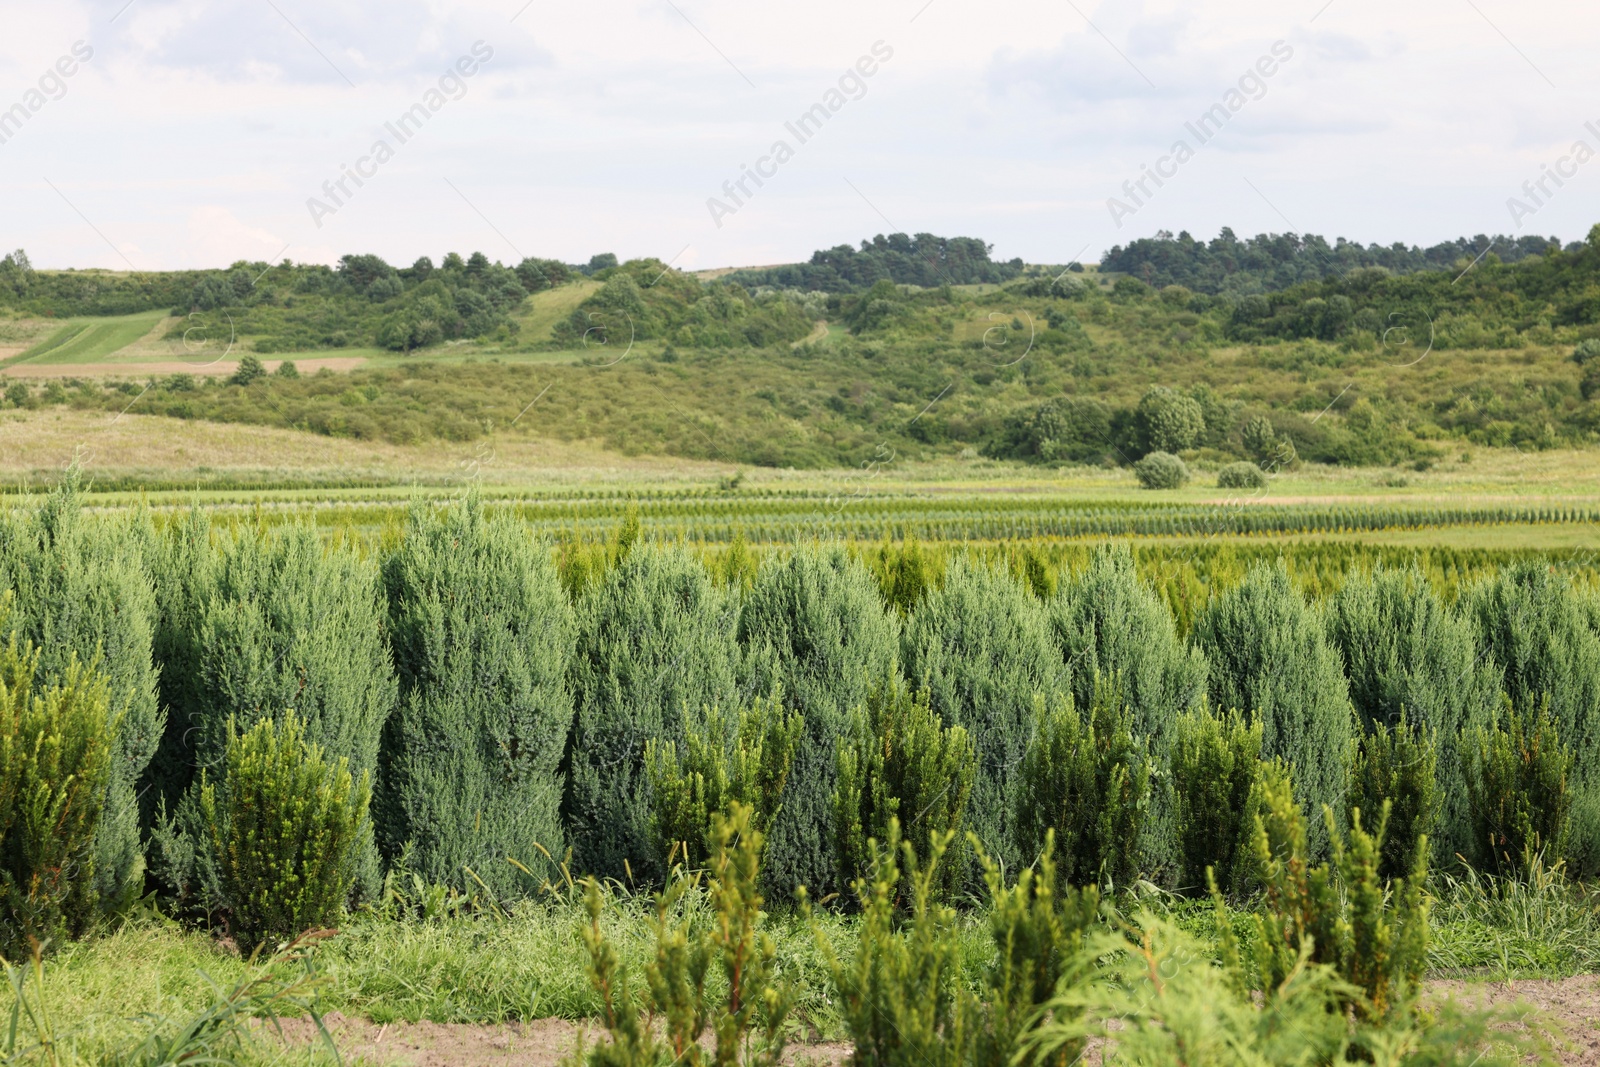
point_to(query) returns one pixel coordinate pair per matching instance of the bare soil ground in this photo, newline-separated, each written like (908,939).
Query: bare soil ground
(542,1043)
(1572,1004)
(216,368)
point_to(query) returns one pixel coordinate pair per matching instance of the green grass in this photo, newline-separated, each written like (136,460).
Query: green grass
(91,340)
(543,310)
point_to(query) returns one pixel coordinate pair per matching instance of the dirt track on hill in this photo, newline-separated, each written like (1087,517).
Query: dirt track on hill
(1573,1004)
(174,366)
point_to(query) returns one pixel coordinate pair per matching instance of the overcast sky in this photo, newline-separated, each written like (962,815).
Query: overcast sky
(198,130)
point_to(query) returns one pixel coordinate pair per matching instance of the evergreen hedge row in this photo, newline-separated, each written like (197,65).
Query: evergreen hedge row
(503,715)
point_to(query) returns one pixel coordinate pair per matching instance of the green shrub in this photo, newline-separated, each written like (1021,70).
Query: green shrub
(655,642)
(899,762)
(183,565)
(1161,470)
(1372,932)
(723,763)
(1107,622)
(747,1018)
(900,992)
(1270,658)
(57,745)
(1397,769)
(83,594)
(1241,476)
(1038,927)
(981,645)
(286,829)
(290,622)
(1519,793)
(1407,655)
(815,624)
(1216,763)
(481,630)
(1168,421)
(1085,781)
(1536,627)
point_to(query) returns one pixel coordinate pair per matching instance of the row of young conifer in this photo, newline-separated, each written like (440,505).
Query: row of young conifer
(507,714)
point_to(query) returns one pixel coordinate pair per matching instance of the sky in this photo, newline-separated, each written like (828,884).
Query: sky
(196,133)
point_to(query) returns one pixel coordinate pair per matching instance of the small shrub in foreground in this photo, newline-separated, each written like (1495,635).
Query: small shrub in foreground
(1518,791)
(286,825)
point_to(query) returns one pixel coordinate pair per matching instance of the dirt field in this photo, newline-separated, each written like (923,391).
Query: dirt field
(1573,1004)
(217,368)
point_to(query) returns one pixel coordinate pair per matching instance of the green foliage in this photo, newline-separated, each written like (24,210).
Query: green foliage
(249,371)
(1397,770)
(1270,658)
(286,829)
(814,624)
(1161,470)
(1085,782)
(182,563)
(748,1020)
(982,648)
(1408,656)
(1168,421)
(655,642)
(481,632)
(1109,622)
(746,762)
(288,622)
(922,259)
(900,762)
(1268,449)
(1241,476)
(1216,764)
(83,594)
(1038,926)
(1373,932)
(57,745)
(900,994)
(1519,794)
(905,575)
(1536,628)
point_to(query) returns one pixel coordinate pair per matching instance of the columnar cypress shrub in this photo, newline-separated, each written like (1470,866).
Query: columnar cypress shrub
(290,623)
(1397,770)
(1270,658)
(285,828)
(815,625)
(57,746)
(1216,763)
(481,630)
(1535,627)
(83,594)
(655,642)
(981,646)
(1109,622)
(900,764)
(1406,654)
(182,563)
(1085,783)
(1519,794)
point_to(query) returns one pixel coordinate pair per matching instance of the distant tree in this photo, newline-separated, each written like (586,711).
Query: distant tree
(249,371)
(1168,421)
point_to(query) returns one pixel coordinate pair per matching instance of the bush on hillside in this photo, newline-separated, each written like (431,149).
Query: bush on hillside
(481,630)
(981,646)
(1270,659)
(1161,470)
(655,644)
(1241,476)
(815,626)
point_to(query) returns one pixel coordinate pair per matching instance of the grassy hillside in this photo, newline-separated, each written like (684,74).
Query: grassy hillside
(90,340)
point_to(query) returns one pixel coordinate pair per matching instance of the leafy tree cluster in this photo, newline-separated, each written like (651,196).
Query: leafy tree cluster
(1272,261)
(924,259)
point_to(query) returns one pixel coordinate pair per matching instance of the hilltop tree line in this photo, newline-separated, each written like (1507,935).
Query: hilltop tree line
(924,259)
(1269,262)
